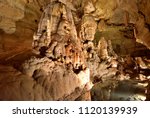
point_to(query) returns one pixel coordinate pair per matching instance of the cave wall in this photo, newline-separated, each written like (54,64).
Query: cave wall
(19,20)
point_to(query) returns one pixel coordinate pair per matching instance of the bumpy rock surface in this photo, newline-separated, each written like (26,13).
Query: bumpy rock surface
(51,50)
(57,84)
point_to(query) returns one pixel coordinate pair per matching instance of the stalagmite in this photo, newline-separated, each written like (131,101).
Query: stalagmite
(81,50)
(56,40)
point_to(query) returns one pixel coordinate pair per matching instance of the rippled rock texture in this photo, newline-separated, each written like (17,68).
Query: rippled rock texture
(59,49)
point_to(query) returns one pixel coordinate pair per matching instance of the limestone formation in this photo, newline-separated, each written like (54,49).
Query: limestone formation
(74,49)
(88,28)
(57,41)
(59,81)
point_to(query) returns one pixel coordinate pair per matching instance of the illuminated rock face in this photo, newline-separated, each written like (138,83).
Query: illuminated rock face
(59,46)
(21,17)
(56,83)
(54,78)
(64,63)
(56,37)
(60,70)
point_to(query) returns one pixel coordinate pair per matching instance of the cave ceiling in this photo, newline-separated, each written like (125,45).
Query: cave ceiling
(74,49)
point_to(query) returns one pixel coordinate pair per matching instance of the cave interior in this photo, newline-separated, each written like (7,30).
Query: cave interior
(75,50)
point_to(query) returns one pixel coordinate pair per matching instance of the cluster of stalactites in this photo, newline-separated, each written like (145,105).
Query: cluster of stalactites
(57,36)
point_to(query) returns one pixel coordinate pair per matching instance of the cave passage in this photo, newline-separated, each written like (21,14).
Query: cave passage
(75,50)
